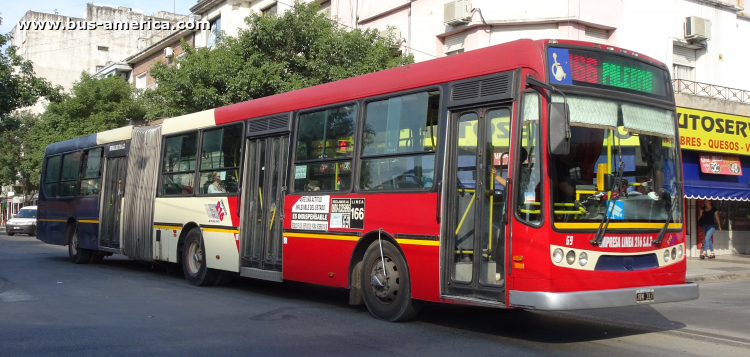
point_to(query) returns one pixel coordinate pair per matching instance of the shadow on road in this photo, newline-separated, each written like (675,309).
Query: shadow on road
(533,326)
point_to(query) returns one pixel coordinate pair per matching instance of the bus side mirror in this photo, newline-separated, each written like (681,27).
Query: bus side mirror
(559,129)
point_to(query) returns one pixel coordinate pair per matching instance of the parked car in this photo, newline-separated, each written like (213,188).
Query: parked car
(23,222)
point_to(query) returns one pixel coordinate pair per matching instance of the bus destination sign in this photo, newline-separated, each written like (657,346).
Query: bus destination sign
(605,71)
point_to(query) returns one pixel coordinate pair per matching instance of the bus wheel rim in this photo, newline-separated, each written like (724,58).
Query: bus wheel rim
(195,257)
(385,285)
(74,243)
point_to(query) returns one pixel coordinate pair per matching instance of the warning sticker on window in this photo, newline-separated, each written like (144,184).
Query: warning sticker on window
(348,213)
(311,213)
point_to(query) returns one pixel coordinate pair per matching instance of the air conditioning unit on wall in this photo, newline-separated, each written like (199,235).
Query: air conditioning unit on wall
(457,12)
(697,28)
(168,52)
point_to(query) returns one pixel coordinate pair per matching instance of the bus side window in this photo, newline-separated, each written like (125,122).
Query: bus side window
(529,162)
(396,126)
(91,173)
(179,164)
(220,160)
(51,176)
(325,144)
(69,177)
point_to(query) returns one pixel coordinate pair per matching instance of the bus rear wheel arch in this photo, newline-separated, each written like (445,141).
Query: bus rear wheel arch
(386,285)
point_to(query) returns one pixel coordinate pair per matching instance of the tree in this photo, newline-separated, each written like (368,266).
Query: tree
(275,54)
(93,105)
(15,166)
(19,86)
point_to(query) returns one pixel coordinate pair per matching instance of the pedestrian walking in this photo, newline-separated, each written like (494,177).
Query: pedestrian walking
(708,222)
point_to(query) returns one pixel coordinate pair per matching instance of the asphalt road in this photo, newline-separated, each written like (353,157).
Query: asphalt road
(49,306)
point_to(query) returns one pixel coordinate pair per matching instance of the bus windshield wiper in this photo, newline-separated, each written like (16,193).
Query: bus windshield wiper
(604,223)
(673,204)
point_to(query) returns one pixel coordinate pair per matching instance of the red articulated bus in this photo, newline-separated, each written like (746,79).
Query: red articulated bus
(532,174)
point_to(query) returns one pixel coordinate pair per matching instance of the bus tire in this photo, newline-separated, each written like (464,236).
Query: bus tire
(194,262)
(11,234)
(77,254)
(388,298)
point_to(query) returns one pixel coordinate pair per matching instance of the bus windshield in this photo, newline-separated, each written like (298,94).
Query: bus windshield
(605,133)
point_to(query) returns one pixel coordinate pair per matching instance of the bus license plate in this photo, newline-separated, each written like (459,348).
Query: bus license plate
(645,295)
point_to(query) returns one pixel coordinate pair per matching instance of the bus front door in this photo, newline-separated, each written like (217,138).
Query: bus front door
(262,207)
(475,204)
(111,202)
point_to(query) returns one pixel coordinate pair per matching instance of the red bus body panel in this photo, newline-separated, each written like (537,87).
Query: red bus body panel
(327,261)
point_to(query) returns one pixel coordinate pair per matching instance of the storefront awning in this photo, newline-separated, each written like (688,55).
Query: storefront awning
(699,185)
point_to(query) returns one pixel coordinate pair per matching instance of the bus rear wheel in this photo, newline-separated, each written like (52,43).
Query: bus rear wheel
(387,292)
(77,254)
(194,261)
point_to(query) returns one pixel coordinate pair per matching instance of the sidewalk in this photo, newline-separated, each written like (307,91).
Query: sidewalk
(722,268)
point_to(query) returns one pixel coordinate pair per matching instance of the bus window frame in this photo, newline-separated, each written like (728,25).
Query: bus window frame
(442,109)
(78,176)
(293,147)
(161,162)
(541,147)
(57,179)
(243,139)
(82,167)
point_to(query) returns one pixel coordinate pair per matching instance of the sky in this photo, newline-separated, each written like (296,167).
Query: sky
(12,10)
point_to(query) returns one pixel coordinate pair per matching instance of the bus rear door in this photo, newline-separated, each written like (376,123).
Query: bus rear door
(262,200)
(113,188)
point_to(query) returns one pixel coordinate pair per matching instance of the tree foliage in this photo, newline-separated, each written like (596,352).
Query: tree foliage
(19,86)
(275,54)
(93,105)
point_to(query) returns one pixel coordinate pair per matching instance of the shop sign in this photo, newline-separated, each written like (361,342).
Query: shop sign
(721,165)
(713,132)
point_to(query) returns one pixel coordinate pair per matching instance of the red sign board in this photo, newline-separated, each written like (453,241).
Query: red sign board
(721,165)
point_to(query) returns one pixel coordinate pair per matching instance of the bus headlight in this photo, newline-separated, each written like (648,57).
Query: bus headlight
(679,252)
(666,255)
(557,255)
(571,257)
(674,253)
(583,258)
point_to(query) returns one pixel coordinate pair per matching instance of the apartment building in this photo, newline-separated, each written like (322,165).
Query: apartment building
(61,55)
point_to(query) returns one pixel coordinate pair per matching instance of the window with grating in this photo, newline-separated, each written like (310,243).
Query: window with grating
(274,123)
(596,35)
(480,88)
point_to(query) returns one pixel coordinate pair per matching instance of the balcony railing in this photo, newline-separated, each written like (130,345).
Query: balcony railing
(709,90)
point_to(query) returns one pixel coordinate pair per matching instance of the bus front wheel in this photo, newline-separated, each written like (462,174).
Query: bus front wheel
(386,286)
(77,254)
(194,261)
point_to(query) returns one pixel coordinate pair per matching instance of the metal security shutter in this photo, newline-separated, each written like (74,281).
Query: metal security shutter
(454,43)
(502,34)
(596,35)
(683,56)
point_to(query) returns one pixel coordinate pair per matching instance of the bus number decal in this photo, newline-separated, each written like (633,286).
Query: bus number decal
(569,240)
(348,213)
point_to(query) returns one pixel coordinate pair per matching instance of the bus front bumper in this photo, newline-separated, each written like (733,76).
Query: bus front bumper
(596,299)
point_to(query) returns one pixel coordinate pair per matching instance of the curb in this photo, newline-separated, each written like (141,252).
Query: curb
(707,279)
